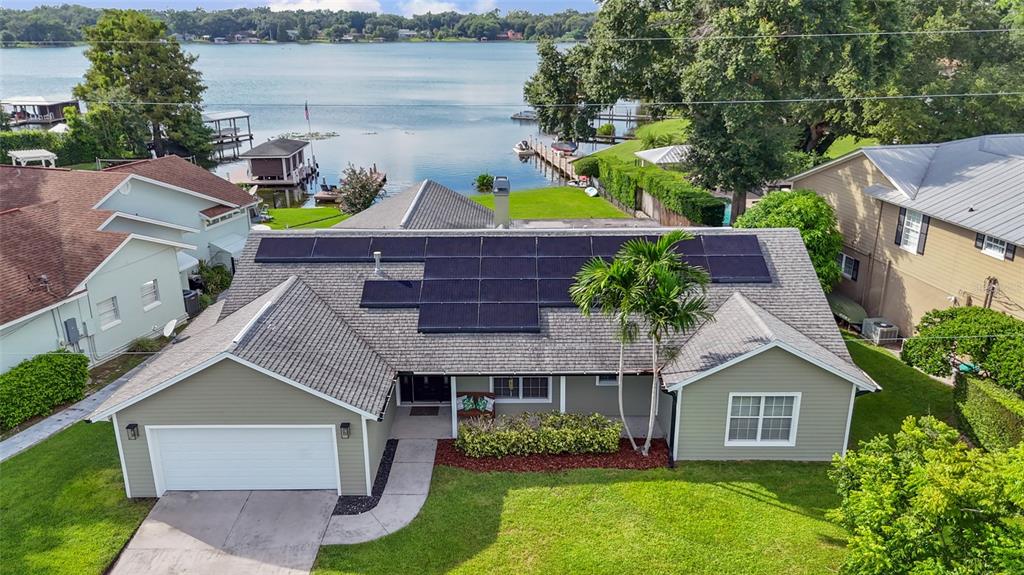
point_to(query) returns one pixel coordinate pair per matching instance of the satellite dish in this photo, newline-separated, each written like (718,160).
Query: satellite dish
(169,328)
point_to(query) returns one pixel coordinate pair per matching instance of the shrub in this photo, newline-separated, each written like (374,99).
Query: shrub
(485,183)
(37,385)
(621,180)
(146,345)
(606,130)
(215,278)
(539,433)
(68,150)
(990,415)
(587,166)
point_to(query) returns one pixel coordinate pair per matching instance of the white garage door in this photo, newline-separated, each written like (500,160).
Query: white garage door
(243,457)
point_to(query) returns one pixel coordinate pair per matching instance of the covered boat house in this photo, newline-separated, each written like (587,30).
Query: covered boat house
(36,111)
(281,162)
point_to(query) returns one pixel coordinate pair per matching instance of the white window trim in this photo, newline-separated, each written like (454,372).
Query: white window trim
(597,380)
(520,399)
(117,313)
(906,245)
(156,293)
(221,219)
(757,442)
(842,265)
(1001,255)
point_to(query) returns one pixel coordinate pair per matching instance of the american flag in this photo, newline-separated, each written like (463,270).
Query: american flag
(307,110)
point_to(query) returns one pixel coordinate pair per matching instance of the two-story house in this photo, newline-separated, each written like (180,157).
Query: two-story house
(929,226)
(91,261)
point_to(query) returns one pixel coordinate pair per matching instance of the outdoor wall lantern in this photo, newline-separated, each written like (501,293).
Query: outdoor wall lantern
(133,430)
(346,429)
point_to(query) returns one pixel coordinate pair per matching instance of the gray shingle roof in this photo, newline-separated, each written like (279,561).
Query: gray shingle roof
(741,327)
(567,341)
(976,183)
(281,147)
(424,206)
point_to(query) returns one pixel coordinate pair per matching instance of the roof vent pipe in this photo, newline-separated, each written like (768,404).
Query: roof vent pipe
(376,263)
(501,197)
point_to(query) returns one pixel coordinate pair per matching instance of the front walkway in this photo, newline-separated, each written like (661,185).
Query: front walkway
(407,426)
(229,533)
(404,495)
(62,419)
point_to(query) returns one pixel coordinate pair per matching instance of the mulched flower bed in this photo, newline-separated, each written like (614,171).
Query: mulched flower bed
(624,458)
(356,504)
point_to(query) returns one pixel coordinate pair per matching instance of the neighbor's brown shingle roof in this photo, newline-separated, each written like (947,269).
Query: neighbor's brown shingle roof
(48,227)
(184,174)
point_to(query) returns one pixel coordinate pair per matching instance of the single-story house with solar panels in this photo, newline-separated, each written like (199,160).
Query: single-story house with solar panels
(329,338)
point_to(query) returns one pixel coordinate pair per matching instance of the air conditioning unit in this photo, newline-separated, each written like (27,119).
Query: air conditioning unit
(879,330)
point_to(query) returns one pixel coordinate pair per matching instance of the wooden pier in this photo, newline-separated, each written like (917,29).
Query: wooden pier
(561,163)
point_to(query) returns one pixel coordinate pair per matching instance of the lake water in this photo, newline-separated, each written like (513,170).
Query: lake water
(425,110)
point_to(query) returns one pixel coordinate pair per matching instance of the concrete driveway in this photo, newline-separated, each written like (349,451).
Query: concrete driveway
(229,533)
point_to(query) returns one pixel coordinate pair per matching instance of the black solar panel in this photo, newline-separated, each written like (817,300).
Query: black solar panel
(461,290)
(565,267)
(341,250)
(396,249)
(508,246)
(739,269)
(456,268)
(453,246)
(273,250)
(694,246)
(448,317)
(514,268)
(608,245)
(390,294)
(509,317)
(731,245)
(563,246)
(554,293)
(700,261)
(508,291)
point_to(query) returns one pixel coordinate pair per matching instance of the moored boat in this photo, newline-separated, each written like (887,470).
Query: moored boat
(523,149)
(568,148)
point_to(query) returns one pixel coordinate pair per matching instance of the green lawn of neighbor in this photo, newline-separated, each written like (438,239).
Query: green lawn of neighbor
(905,391)
(305,218)
(846,144)
(700,518)
(563,202)
(63,509)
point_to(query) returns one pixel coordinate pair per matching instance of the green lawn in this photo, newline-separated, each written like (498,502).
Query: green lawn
(905,391)
(624,151)
(305,218)
(701,518)
(63,508)
(846,144)
(554,203)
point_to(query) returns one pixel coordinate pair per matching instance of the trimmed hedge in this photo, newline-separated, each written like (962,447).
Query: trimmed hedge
(538,433)
(621,180)
(587,166)
(35,386)
(991,415)
(68,151)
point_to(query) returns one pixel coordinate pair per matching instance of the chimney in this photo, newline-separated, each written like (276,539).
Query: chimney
(501,194)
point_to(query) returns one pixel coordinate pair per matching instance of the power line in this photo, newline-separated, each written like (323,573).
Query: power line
(601,105)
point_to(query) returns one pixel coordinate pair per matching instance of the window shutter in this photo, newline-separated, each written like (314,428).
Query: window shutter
(1008,255)
(899,225)
(924,234)
(979,241)
(856,268)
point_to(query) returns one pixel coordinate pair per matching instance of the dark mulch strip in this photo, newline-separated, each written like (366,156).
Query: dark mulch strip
(624,458)
(356,504)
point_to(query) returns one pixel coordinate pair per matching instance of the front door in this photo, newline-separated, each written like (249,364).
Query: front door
(425,388)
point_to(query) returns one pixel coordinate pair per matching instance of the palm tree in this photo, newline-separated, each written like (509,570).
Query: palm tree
(607,287)
(668,293)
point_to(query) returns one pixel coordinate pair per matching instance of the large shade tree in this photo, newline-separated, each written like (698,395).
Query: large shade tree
(556,90)
(133,54)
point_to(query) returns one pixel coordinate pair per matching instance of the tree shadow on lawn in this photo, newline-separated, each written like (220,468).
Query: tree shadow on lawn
(63,507)
(721,516)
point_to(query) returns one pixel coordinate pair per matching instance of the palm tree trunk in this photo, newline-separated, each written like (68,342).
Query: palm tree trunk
(654,397)
(622,410)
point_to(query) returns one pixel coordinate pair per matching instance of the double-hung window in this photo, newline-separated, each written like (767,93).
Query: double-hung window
(849,265)
(108,313)
(150,295)
(995,247)
(521,389)
(912,230)
(762,419)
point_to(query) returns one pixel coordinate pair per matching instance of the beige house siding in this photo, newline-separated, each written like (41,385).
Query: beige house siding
(228,393)
(899,285)
(583,395)
(821,425)
(378,432)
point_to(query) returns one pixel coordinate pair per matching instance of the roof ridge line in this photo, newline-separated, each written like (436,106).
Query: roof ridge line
(749,306)
(414,204)
(283,287)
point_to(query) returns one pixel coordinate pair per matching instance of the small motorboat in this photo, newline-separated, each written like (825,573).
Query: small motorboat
(523,149)
(525,116)
(567,148)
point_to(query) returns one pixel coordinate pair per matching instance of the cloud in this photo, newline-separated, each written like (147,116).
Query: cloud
(414,7)
(481,6)
(360,5)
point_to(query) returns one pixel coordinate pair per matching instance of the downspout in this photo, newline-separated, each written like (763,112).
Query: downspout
(672,427)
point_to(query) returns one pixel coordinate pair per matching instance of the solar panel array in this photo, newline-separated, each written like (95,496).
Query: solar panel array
(498,283)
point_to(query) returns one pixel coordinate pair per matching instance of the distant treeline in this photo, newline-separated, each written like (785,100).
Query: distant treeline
(65,23)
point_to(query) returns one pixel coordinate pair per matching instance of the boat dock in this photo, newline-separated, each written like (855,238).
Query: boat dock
(559,162)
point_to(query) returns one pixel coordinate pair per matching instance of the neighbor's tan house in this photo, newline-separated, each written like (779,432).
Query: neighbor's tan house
(929,226)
